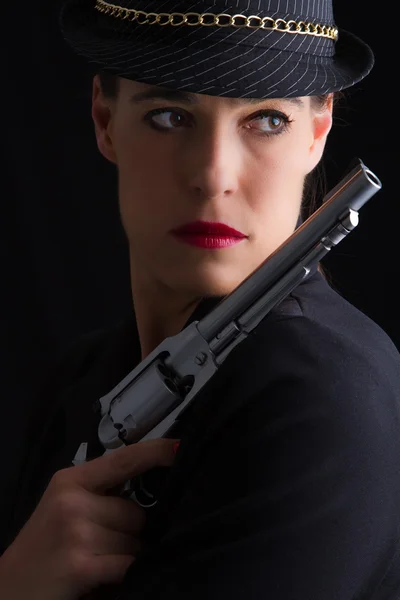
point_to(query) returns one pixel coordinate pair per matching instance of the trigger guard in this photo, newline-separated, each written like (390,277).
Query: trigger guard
(143,505)
(140,495)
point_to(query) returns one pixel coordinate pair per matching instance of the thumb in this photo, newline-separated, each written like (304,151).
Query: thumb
(117,467)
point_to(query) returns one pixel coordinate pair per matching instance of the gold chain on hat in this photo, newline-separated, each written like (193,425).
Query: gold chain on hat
(209,19)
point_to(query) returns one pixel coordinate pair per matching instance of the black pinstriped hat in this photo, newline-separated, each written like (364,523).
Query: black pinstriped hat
(243,48)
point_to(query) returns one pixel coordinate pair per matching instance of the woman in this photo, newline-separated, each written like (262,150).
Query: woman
(286,481)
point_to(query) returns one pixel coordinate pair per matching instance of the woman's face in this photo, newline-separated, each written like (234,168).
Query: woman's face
(213,159)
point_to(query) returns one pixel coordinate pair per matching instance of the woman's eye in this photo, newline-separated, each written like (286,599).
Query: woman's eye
(164,119)
(272,121)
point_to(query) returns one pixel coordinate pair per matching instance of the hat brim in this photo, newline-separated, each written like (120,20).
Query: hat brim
(214,69)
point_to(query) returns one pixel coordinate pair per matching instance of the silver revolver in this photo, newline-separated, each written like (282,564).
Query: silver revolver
(147,403)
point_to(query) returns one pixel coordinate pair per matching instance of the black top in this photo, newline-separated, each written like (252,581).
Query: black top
(286,484)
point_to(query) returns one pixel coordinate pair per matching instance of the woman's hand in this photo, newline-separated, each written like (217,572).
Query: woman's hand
(79,537)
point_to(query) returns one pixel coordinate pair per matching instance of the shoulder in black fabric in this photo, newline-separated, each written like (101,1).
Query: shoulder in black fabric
(114,357)
(64,417)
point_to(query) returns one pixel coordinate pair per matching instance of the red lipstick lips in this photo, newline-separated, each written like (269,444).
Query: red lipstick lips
(206,234)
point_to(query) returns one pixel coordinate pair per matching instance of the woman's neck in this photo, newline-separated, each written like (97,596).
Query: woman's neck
(159,316)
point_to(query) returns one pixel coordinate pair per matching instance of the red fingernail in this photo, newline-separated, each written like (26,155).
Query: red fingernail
(175,447)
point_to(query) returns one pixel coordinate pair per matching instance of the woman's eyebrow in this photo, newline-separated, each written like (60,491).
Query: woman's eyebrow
(189,98)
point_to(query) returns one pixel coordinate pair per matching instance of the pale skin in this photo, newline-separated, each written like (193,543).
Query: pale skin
(209,162)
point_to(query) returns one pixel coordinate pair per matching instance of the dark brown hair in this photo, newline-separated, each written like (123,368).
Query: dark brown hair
(109,84)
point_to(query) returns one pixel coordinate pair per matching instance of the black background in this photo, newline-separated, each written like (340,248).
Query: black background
(65,265)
